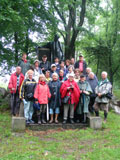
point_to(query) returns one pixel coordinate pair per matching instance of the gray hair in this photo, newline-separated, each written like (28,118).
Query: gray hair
(104,72)
(91,73)
(54,74)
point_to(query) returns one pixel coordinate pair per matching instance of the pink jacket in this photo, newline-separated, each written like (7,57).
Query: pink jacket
(42,93)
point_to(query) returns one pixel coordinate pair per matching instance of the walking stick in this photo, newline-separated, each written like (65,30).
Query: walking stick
(47,112)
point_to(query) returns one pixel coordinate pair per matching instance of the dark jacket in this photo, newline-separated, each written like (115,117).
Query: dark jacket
(84,66)
(45,65)
(55,100)
(24,66)
(27,89)
(93,83)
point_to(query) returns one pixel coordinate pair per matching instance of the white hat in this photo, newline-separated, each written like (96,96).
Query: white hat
(53,65)
(36,61)
(71,74)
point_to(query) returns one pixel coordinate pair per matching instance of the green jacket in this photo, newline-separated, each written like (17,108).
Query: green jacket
(84,98)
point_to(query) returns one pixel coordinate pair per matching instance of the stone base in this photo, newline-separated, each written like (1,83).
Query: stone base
(18,124)
(44,127)
(95,122)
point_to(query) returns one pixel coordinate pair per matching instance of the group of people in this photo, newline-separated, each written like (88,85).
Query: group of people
(64,86)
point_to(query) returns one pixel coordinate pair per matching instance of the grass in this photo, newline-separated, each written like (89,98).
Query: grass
(84,144)
(117,93)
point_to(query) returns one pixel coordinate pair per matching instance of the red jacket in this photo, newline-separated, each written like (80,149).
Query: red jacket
(75,93)
(13,82)
(42,93)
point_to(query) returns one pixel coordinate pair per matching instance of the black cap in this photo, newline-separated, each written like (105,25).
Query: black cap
(82,76)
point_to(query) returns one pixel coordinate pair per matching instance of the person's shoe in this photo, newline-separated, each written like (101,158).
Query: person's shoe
(39,122)
(64,121)
(51,121)
(43,121)
(27,122)
(56,121)
(31,121)
(77,121)
(71,121)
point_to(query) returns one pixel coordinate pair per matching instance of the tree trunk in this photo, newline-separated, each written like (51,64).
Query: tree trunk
(26,43)
(16,47)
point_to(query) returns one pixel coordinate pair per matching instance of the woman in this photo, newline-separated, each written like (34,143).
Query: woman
(41,95)
(37,70)
(85,91)
(55,100)
(70,90)
(47,77)
(62,78)
(27,95)
(77,75)
(70,70)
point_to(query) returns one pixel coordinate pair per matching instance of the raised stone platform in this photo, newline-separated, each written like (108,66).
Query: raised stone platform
(47,126)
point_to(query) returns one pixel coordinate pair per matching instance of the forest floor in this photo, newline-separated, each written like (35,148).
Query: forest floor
(60,144)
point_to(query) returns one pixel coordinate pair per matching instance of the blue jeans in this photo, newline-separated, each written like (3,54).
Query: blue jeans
(56,110)
(28,110)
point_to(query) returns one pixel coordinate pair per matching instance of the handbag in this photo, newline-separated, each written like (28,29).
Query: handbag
(109,95)
(65,99)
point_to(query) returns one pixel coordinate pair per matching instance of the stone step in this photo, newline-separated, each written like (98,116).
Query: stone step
(44,127)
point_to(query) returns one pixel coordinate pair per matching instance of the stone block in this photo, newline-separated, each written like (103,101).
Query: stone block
(18,124)
(95,122)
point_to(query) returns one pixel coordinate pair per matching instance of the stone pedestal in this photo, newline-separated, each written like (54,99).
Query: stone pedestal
(95,122)
(18,124)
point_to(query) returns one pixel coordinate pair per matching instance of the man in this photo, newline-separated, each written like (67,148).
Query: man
(44,65)
(102,101)
(57,63)
(14,85)
(93,81)
(24,64)
(27,95)
(53,69)
(81,64)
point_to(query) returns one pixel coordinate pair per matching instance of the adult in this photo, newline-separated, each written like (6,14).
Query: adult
(70,70)
(37,70)
(102,101)
(44,65)
(56,62)
(47,76)
(24,64)
(53,69)
(88,70)
(81,64)
(67,63)
(62,78)
(55,100)
(62,67)
(85,90)
(27,95)
(77,75)
(14,85)
(72,62)
(93,81)
(71,91)
(41,95)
